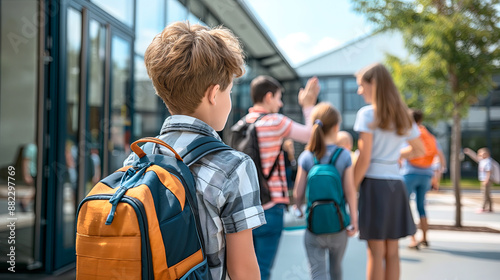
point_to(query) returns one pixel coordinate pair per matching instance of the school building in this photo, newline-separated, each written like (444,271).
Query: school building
(74,93)
(336,69)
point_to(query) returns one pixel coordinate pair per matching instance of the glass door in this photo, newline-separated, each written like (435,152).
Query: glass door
(68,142)
(120,99)
(94,120)
(96,89)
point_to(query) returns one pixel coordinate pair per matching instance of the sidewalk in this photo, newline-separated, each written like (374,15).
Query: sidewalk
(452,255)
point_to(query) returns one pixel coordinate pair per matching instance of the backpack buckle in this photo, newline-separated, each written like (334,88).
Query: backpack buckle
(129,180)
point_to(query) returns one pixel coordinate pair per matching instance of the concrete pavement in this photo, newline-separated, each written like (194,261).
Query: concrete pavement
(452,255)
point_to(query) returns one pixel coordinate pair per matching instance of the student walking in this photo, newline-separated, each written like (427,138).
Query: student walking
(320,149)
(384,213)
(484,173)
(272,128)
(417,173)
(184,63)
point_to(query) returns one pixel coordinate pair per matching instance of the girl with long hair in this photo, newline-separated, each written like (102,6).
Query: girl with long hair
(384,126)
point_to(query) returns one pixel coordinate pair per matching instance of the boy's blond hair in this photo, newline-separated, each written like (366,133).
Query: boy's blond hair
(344,140)
(184,60)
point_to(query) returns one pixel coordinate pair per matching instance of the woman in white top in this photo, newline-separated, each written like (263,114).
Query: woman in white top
(383,126)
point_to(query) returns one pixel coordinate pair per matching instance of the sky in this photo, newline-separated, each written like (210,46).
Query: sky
(304,29)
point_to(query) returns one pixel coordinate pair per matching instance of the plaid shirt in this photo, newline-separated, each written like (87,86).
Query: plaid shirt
(227,188)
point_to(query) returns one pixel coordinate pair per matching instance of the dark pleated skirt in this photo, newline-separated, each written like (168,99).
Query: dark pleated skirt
(384,212)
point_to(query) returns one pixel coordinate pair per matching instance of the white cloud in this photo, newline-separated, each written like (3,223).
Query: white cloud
(299,46)
(325,44)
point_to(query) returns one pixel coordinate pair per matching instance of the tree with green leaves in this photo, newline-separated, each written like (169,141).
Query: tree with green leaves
(455,50)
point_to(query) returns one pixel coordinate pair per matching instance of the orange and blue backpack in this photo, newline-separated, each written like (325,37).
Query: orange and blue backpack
(141,222)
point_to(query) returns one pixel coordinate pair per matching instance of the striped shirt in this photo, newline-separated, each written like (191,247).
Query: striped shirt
(271,129)
(226,184)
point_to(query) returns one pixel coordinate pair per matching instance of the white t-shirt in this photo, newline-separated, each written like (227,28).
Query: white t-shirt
(484,166)
(386,145)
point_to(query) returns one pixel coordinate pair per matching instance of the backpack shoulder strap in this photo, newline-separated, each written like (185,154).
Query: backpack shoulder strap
(335,155)
(202,147)
(315,159)
(259,117)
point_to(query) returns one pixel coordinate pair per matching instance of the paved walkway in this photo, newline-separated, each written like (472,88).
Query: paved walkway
(452,255)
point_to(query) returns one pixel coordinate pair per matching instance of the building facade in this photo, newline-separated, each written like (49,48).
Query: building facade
(336,71)
(75,94)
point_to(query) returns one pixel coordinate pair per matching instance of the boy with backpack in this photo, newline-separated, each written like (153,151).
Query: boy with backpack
(192,68)
(325,178)
(270,129)
(417,174)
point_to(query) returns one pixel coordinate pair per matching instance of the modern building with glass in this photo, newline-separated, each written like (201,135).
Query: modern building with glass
(75,94)
(336,70)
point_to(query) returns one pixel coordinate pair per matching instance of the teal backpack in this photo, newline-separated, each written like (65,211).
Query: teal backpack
(326,211)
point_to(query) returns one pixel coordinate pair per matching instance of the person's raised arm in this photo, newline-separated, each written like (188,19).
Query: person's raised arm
(471,154)
(241,259)
(365,143)
(307,99)
(309,95)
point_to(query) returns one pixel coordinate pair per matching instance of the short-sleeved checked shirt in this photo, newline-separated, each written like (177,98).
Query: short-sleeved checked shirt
(227,188)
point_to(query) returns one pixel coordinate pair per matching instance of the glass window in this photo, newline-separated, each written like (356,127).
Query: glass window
(18,120)
(95,116)
(176,11)
(123,10)
(71,153)
(333,83)
(120,134)
(352,100)
(149,107)
(150,20)
(333,97)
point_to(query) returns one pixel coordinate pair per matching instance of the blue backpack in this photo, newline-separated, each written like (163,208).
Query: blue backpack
(326,211)
(141,222)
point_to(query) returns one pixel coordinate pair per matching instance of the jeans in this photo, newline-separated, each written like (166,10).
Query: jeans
(419,184)
(266,239)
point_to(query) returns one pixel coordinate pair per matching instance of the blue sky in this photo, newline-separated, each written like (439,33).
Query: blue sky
(304,29)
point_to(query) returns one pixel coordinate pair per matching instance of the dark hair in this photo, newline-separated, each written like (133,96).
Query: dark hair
(418,116)
(261,85)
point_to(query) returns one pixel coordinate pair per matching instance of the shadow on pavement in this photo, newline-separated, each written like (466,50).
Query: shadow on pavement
(488,255)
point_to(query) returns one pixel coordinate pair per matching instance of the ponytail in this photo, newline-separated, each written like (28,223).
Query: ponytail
(324,117)
(317,140)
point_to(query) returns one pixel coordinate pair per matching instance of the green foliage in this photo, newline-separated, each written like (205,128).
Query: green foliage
(456,46)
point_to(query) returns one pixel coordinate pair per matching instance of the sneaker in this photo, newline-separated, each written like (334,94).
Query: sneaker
(414,246)
(480,210)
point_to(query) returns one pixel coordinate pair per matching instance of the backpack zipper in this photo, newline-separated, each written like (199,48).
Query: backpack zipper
(322,202)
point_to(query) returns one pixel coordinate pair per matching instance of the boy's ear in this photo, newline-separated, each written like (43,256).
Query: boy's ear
(211,93)
(268,97)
